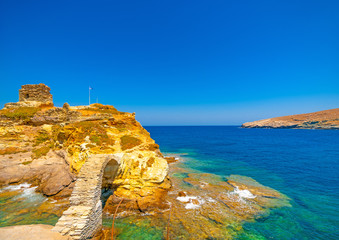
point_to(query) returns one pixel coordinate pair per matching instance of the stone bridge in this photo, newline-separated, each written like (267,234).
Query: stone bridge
(84,217)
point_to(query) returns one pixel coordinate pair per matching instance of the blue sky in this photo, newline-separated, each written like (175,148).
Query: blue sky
(176,62)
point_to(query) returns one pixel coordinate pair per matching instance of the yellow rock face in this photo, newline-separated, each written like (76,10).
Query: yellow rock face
(85,130)
(141,173)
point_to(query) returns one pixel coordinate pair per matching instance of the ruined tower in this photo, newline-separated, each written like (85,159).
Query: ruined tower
(35,92)
(32,95)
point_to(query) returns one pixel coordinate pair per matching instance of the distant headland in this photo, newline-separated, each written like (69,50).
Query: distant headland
(327,119)
(73,152)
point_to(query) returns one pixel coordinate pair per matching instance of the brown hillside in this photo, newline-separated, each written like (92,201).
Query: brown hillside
(327,119)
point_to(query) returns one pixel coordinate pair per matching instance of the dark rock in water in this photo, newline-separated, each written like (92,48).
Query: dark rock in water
(181,194)
(171,159)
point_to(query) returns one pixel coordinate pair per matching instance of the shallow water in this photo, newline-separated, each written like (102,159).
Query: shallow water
(21,205)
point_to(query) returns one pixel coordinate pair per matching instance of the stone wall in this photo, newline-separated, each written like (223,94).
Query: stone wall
(35,92)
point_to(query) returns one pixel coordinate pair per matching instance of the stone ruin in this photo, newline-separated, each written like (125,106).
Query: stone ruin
(35,92)
(33,95)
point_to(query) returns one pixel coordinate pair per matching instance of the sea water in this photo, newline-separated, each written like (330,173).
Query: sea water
(19,204)
(302,164)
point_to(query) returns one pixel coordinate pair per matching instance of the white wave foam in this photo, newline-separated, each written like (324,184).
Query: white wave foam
(243,193)
(28,192)
(210,199)
(191,204)
(186,199)
(16,187)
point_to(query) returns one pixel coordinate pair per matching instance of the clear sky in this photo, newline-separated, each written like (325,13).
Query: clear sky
(176,62)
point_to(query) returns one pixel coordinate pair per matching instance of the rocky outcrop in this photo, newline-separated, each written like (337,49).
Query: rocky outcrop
(35,145)
(47,146)
(328,119)
(64,150)
(54,116)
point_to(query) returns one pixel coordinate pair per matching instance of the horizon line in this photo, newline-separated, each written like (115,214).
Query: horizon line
(191,125)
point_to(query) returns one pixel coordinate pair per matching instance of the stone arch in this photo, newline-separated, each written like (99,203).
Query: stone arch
(84,217)
(110,171)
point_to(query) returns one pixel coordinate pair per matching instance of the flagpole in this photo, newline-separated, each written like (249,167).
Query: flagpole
(89,96)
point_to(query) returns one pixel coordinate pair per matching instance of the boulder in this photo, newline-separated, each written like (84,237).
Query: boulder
(51,172)
(52,182)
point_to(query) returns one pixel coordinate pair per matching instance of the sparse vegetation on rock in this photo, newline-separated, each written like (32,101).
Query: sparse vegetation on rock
(128,142)
(21,113)
(40,152)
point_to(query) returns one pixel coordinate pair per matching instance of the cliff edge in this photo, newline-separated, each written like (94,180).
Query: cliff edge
(47,146)
(328,119)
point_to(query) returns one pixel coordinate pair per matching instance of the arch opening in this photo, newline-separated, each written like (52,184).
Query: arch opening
(109,174)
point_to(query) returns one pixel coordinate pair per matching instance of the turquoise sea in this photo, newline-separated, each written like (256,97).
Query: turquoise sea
(302,164)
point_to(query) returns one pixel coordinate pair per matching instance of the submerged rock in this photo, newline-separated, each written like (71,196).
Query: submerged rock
(211,207)
(202,206)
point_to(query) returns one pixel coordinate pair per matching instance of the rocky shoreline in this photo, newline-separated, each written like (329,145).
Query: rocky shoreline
(328,119)
(96,148)
(202,206)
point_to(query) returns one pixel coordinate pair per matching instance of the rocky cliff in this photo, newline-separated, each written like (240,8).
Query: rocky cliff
(328,119)
(47,146)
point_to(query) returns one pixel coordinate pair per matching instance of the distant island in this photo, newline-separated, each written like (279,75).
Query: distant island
(327,119)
